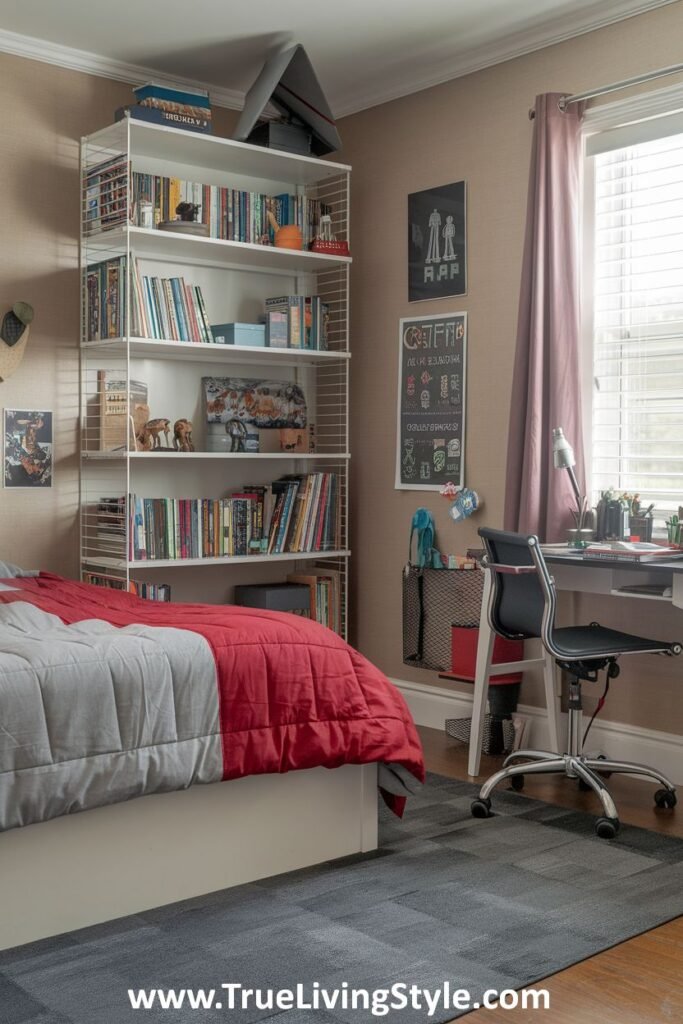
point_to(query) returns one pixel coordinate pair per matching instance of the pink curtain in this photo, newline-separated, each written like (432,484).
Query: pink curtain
(546,386)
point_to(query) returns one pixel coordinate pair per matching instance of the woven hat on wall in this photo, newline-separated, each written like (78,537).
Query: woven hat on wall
(14,334)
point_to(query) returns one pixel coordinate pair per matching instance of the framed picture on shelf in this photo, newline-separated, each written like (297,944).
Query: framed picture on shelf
(437,242)
(28,448)
(272,404)
(432,376)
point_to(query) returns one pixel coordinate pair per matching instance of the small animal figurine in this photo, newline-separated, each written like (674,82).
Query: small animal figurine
(143,440)
(182,436)
(157,427)
(187,211)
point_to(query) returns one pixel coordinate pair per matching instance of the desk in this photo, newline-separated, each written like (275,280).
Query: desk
(571,571)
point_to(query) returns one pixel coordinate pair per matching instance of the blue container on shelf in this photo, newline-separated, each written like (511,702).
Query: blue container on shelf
(251,335)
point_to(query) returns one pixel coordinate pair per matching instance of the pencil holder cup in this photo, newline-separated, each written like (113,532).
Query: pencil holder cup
(641,527)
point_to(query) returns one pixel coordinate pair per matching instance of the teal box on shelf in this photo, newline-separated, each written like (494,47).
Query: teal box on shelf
(251,335)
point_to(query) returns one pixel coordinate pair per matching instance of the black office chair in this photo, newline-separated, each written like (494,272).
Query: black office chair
(522,606)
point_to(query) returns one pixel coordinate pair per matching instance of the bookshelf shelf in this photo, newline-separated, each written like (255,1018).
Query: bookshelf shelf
(210,152)
(140,279)
(202,456)
(192,250)
(143,348)
(183,563)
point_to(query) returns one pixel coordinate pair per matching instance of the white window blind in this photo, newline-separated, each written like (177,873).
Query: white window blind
(637,428)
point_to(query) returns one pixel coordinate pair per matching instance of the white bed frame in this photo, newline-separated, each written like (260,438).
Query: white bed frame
(106,863)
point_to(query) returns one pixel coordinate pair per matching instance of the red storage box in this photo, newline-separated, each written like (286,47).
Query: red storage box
(464,655)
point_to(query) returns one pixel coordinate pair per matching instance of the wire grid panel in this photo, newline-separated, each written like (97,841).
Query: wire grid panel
(338,566)
(104,519)
(333,193)
(104,180)
(330,424)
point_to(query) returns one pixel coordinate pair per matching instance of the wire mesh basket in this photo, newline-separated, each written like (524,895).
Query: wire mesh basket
(434,600)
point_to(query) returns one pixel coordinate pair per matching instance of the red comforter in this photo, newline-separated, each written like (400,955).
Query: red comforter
(291,693)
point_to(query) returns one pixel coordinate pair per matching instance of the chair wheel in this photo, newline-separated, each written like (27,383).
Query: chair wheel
(481,808)
(517,783)
(607,828)
(665,798)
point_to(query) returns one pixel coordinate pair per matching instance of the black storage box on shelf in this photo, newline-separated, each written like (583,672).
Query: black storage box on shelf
(276,597)
(290,138)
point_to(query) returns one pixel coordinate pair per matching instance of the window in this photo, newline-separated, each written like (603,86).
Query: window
(637,412)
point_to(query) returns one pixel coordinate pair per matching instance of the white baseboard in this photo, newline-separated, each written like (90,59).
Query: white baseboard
(431,705)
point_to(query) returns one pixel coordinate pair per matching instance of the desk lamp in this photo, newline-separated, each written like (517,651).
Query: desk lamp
(563,458)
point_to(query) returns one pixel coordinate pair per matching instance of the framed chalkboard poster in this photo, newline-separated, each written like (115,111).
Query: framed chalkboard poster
(430,446)
(437,242)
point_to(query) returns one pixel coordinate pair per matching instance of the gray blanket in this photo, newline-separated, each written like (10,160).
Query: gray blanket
(91,714)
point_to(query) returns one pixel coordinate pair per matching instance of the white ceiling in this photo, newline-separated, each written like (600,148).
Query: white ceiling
(365,51)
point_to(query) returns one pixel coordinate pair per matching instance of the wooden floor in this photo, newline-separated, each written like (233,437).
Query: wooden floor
(637,982)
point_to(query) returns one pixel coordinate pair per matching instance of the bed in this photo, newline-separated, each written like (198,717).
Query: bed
(105,698)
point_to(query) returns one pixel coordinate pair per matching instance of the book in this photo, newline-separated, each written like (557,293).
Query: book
(185,94)
(277,329)
(631,551)
(153,114)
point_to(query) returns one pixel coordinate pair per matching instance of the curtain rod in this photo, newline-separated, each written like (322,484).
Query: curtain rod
(602,90)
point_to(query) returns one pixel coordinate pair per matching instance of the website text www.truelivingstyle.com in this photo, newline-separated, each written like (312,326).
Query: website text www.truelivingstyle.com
(232,996)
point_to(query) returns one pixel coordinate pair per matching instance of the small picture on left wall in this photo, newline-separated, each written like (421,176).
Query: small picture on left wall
(28,448)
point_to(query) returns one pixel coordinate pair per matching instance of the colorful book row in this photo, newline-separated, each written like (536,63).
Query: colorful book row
(149,591)
(295,514)
(168,308)
(163,308)
(232,214)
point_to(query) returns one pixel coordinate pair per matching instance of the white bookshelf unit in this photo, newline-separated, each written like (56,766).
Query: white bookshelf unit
(235,278)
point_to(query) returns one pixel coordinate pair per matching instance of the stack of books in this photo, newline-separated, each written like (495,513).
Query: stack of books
(231,214)
(297,321)
(631,551)
(294,514)
(184,107)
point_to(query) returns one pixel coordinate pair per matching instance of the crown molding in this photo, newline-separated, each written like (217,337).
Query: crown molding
(104,67)
(516,45)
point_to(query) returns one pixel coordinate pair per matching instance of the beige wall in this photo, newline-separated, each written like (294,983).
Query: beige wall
(474,128)
(45,112)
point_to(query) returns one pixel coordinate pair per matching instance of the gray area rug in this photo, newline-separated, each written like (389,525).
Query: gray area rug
(488,904)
